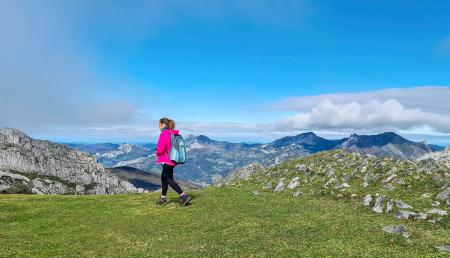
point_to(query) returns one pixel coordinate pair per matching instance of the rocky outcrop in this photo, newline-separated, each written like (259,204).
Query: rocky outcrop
(43,167)
(439,156)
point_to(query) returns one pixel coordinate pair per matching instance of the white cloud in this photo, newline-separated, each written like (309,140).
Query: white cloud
(429,98)
(374,115)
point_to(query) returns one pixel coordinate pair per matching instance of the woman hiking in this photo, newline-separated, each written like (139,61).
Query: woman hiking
(167,127)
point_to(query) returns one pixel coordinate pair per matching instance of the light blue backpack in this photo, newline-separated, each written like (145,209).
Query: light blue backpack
(178,150)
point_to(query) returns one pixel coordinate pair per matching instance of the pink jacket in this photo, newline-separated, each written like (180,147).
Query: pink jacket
(163,147)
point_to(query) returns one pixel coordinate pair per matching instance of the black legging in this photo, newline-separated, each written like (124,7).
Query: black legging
(167,179)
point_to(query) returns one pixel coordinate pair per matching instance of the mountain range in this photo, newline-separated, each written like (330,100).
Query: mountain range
(210,160)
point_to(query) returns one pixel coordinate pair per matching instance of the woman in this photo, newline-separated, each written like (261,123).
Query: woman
(163,147)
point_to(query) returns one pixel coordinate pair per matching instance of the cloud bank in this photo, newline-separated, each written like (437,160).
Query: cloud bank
(391,109)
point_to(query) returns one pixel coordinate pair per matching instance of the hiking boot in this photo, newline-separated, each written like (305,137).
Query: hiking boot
(185,200)
(162,201)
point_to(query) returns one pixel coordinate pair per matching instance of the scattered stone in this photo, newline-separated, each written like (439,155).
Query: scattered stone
(367,200)
(444,195)
(390,206)
(389,187)
(401,205)
(280,186)
(353,195)
(402,214)
(396,229)
(296,194)
(295,182)
(331,181)
(379,203)
(421,216)
(267,186)
(426,195)
(435,204)
(365,184)
(301,167)
(444,248)
(398,181)
(329,172)
(438,212)
(388,179)
(435,220)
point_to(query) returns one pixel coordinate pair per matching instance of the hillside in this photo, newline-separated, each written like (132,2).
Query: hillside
(402,188)
(230,222)
(34,166)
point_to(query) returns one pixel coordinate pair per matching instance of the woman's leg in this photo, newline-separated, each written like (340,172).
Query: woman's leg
(164,180)
(170,179)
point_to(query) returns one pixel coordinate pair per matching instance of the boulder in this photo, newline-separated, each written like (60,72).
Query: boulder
(444,195)
(295,182)
(331,181)
(280,186)
(401,205)
(390,206)
(267,186)
(379,203)
(402,214)
(367,200)
(396,229)
(438,212)
(421,216)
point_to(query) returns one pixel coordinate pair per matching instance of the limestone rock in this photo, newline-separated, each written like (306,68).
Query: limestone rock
(367,200)
(55,168)
(295,182)
(379,203)
(280,186)
(396,229)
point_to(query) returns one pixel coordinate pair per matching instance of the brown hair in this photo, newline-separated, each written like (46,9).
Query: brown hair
(169,123)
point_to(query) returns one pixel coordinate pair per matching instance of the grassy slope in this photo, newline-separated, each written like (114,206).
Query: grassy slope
(221,222)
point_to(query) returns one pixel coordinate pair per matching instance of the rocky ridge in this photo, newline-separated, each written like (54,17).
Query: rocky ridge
(43,167)
(405,189)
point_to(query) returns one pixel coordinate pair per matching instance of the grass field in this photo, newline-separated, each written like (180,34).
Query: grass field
(220,222)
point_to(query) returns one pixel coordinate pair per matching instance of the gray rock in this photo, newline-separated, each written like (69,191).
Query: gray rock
(296,194)
(421,216)
(401,205)
(402,214)
(388,179)
(389,187)
(435,220)
(367,200)
(396,229)
(379,203)
(390,206)
(267,186)
(444,248)
(331,181)
(295,182)
(435,204)
(280,186)
(438,212)
(444,195)
(57,169)
(301,167)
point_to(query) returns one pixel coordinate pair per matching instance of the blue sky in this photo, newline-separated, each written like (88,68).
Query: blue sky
(233,70)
